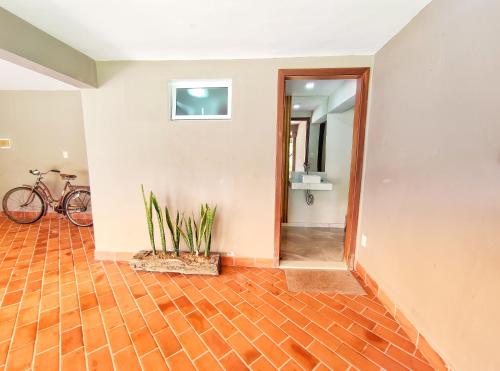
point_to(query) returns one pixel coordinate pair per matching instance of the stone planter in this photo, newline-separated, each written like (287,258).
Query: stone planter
(185,263)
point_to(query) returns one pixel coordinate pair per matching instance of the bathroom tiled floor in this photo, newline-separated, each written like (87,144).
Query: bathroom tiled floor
(61,309)
(312,244)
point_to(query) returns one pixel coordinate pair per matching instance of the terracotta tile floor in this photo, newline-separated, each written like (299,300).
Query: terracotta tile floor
(61,309)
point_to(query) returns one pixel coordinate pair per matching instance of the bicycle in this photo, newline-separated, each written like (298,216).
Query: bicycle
(27,204)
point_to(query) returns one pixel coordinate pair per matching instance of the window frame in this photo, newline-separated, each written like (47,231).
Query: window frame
(201,84)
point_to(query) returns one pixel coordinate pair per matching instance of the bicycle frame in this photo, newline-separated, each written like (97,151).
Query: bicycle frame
(47,197)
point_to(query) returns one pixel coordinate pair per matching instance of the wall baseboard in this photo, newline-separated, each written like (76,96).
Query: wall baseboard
(433,357)
(228,261)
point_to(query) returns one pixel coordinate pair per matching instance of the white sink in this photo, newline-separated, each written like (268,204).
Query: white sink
(313,182)
(323,186)
(312,179)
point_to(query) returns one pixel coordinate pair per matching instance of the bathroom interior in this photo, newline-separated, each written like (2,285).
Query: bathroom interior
(315,202)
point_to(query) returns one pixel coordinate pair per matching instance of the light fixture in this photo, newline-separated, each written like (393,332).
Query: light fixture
(296,106)
(5,143)
(198,92)
(310,85)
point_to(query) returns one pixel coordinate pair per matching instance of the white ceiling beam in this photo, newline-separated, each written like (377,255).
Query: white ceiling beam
(25,45)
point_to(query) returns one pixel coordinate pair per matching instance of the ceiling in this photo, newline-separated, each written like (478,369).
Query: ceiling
(307,104)
(15,77)
(316,87)
(308,99)
(200,29)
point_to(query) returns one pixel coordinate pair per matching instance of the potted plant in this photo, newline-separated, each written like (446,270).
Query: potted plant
(196,232)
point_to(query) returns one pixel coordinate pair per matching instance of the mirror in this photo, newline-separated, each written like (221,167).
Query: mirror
(307,146)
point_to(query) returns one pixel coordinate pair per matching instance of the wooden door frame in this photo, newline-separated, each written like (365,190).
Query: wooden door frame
(362,76)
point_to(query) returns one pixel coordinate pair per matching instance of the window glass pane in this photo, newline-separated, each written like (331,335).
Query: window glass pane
(201,101)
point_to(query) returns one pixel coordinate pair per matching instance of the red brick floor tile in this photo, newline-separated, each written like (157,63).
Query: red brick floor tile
(184,304)
(70,320)
(327,356)
(262,364)
(382,359)
(168,342)
(408,360)
(299,354)
(243,347)
(47,361)
(271,351)
(24,335)
(4,349)
(232,362)
(199,323)
(227,309)
(28,315)
(246,327)
(62,309)
(126,359)
(216,343)
(100,360)
(356,358)
(155,321)
(154,361)
(180,361)
(134,320)
(297,333)
(223,325)
(291,365)
(192,343)
(178,322)
(119,338)
(206,308)
(394,338)
(71,340)
(207,362)
(47,338)
(380,319)
(369,337)
(20,358)
(143,341)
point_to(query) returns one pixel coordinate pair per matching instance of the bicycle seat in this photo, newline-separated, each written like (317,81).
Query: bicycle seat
(67,176)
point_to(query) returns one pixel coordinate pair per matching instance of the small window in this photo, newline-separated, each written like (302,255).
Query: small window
(201,100)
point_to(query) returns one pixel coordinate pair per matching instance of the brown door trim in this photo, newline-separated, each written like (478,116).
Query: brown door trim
(361,75)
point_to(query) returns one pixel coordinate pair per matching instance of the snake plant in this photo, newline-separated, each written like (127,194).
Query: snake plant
(149,217)
(187,236)
(209,222)
(159,215)
(199,230)
(174,230)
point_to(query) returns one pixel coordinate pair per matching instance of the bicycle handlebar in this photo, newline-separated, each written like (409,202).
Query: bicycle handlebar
(38,172)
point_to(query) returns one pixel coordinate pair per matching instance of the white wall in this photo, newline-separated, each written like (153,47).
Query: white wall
(131,140)
(41,125)
(431,195)
(330,207)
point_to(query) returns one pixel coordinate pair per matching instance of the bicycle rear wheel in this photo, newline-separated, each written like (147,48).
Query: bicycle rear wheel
(23,205)
(78,208)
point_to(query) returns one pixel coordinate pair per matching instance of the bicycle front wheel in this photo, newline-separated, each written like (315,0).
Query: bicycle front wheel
(78,208)
(23,205)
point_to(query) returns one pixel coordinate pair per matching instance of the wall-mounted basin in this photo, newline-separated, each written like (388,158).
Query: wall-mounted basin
(310,182)
(307,178)
(323,186)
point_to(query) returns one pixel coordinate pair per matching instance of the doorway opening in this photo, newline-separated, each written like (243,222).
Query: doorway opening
(320,139)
